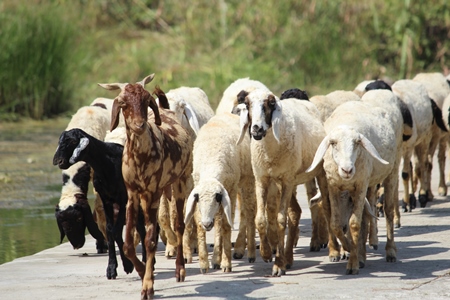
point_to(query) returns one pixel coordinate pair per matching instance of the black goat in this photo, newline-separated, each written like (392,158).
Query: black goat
(106,160)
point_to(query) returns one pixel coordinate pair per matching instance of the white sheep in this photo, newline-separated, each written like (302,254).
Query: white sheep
(438,89)
(221,171)
(328,103)
(285,135)
(415,96)
(365,138)
(232,95)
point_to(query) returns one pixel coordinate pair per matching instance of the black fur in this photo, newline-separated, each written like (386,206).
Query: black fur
(378,85)
(294,93)
(437,115)
(106,161)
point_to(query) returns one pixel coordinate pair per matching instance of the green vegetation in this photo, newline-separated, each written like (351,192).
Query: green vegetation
(54,52)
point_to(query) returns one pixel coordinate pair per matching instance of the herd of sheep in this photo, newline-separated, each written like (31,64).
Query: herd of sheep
(166,165)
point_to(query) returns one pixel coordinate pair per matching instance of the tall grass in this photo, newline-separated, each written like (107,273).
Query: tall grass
(319,46)
(37,45)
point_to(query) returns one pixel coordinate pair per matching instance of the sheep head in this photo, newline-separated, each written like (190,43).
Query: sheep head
(209,195)
(133,100)
(346,146)
(260,111)
(73,221)
(70,146)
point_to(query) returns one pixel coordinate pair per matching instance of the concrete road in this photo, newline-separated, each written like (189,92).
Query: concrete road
(422,270)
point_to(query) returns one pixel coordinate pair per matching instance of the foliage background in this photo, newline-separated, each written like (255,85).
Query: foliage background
(54,52)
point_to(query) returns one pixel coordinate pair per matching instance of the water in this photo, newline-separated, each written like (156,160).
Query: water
(30,187)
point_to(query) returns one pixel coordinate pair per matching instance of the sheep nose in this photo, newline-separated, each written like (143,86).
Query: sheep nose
(208,225)
(347,171)
(139,124)
(258,132)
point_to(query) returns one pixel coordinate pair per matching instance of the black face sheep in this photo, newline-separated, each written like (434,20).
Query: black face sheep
(73,213)
(157,157)
(106,159)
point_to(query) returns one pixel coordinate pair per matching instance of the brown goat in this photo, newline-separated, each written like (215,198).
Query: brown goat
(157,157)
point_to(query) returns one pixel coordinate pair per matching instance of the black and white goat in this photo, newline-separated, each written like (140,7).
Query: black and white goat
(106,159)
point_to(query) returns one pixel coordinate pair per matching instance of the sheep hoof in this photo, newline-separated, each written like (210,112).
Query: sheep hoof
(391,258)
(334,258)
(204,271)
(251,259)
(412,201)
(352,272)
(314,248)
(277,272)
(423,200)
(361,264)
(238,255)
(345,255)
(288,266)
(128,266)
(216,266)
(227,270)
(324,246)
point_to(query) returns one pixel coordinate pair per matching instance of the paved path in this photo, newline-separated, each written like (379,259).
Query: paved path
(422,270)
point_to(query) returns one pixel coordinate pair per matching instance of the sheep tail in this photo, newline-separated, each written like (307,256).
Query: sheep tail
(437,115)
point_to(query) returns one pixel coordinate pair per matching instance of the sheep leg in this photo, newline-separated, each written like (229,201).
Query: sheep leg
(435,140)
(189,241)
(406,175)
(356,231)
(226,244)
(294,214)
(372,224)
(148,281)
(390,200)
(247,228)
(100,219)
(217,252)
(422,173)
(239,246)
(333,213)
(111,270)
(273,199)
(164,221)
(179,190)
(128,247)
(442,190)
(279,267)
(117,235)
(202,248)
(261,186)
(319,234)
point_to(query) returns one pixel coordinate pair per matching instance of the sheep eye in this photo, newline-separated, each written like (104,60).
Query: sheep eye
(218,197)
(196,197)
(333,143)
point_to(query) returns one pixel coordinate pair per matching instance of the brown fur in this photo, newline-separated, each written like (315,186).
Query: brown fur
(157,154)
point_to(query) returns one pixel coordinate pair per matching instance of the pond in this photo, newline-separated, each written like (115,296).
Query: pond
(30,187)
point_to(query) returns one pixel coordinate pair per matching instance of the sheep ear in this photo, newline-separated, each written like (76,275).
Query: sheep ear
(192,118)
(190,206)
(154,106)
(62,234)
(276,118)
(243,121)
(89,220)
(368,209)
(115,114)
(319,153)
(146,80)
(226,204)
(84,142)
(113,86)
(371,149)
